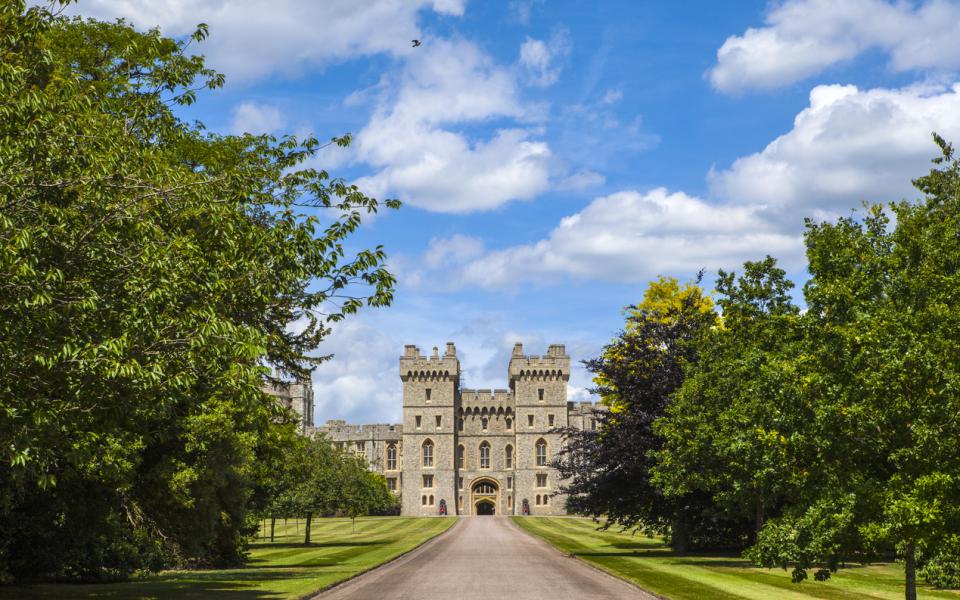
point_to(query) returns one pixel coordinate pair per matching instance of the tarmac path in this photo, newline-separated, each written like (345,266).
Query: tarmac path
(489,558)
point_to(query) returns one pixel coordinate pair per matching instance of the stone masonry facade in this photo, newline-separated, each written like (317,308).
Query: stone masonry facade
(470,451)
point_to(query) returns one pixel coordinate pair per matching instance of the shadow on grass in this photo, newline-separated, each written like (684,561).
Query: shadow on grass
(314,546)
(160,587)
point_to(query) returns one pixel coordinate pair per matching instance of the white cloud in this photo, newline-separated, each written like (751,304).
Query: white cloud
(251,39)
(612,97)
(542,60)
(250,117)
(848,145)
(632,237)
(521,10)
(421,160)
(581,180)
(804,37)
(361,383)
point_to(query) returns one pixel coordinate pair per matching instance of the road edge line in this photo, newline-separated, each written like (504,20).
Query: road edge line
(587,563)
(336,584)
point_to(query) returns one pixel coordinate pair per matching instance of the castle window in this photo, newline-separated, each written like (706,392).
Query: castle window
(418,417)
(392,484)
(509,483)
(431,499)
(546,499)
(540,394)
(460,483)
(541,480)
(483,423)
(509,423)
(428,481)
(461,457)
(509,501)
(439,420)
(427,453)
(508,457)
(484,488)
(538,499)
(423,500)
(529,421)
(593,424)
(484,455)
(460,424)
(541,453)
(392,457)
(361,450)
(550,420)
(427,394)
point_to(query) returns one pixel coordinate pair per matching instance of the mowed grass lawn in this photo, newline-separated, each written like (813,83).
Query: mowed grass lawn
(651,565)
(283,569)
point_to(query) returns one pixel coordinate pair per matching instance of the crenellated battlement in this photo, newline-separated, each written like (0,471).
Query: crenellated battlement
(552,366)
(414,366)
(584,408)
(338,429)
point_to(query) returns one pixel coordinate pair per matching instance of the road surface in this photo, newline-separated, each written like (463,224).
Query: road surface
(488,558)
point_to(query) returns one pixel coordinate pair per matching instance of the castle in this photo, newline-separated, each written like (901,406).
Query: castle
(465,451)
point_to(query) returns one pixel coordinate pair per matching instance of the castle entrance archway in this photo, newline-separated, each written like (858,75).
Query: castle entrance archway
(486,496)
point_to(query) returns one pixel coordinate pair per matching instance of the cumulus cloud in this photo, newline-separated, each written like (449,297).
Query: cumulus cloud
(631,236)
(361,383)
(250,117)
(848,145)
(542,60)
(420,159)
(803,37)
(251,39)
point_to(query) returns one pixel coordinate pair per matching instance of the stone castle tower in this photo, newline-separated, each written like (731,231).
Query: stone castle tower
(482,451)
(473,452)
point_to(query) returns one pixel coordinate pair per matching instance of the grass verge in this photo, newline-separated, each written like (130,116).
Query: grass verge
(653,566)
(283,569)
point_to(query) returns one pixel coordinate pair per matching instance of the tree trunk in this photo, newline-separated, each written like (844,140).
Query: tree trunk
(273,527)
(758,518)
(306,536)
(910,566)
(679,535)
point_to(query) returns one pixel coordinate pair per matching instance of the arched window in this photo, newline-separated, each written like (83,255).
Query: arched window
(484,488)
(541,453)
(460,424)
(546,499)
(509,423)
(484,455)
(427,453)
(431,500)
(423,500)
(508,457)
(391,457)
(461,460)
(538,499)
(483,423)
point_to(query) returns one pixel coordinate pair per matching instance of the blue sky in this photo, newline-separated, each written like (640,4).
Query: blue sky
(553,157)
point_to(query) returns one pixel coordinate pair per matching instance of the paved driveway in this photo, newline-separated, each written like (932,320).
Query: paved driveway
(488,558)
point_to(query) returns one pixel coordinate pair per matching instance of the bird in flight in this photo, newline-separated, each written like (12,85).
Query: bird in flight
(415,43)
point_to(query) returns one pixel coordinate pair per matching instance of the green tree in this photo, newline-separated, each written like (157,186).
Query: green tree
(362,492)
(882,340)
(727,433)
(148,270)
(608,472)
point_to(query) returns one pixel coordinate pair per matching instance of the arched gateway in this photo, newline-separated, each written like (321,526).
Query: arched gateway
(486,496)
